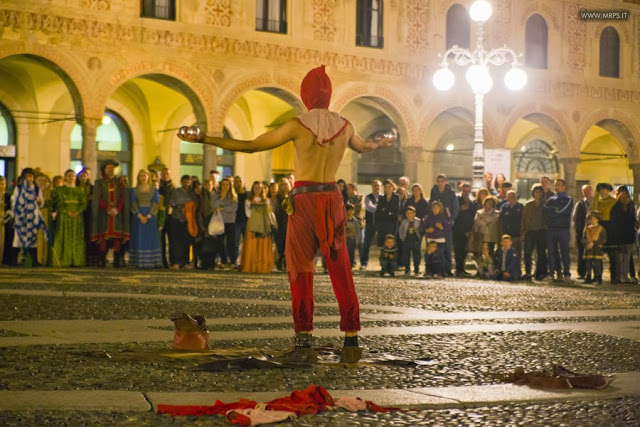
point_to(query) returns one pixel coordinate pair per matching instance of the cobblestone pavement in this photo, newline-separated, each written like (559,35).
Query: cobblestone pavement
(462,331)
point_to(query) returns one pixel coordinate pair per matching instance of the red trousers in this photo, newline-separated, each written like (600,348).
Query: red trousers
(319,221)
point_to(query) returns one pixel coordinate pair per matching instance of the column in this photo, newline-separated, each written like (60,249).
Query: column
(570,165)
(89,145)
(411,156)
(635,168)
(209,160)
(209,155)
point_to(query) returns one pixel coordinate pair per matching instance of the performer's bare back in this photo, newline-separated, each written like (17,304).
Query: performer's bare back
(319,163)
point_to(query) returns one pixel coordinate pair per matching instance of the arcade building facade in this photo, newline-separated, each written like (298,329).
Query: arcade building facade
(87,80)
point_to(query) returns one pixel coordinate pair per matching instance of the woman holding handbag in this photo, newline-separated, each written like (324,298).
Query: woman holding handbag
(225,205)
(257,249)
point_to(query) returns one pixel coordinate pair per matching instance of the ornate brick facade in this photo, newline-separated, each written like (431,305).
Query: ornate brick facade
(417,12)
(218,12)
(324,23)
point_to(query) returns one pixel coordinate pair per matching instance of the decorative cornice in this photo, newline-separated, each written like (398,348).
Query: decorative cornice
(570,90)
(92,28)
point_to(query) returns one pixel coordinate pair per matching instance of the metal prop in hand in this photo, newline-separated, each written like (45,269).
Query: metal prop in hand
(391,134)
(192,133)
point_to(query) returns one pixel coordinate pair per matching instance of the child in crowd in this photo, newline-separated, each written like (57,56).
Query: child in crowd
(506,261)
(434,260)
(436,227)
(388,256)
(409,233)
(594,237)
(484,263)
(353,232)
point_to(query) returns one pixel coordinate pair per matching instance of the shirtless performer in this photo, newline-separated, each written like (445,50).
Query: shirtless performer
(320,139)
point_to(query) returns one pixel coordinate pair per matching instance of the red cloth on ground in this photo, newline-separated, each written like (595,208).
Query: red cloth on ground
(198,410)
(315,89)
(319,220)
(311,400)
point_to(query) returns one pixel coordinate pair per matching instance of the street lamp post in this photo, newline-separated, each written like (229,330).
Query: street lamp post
(479,79)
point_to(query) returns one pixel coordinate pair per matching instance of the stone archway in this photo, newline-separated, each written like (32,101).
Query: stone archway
(43,98)
(372,116)
(250,108)
(159,104)
(609,151)
(539,148)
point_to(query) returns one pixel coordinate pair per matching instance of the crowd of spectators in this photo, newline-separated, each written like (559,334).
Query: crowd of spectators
(68,220)
(494,231)
(72,221)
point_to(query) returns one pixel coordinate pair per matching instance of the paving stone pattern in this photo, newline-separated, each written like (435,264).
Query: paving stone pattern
(610,413)
(451,359)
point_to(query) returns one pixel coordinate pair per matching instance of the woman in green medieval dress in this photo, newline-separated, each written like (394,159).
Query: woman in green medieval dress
(69,244)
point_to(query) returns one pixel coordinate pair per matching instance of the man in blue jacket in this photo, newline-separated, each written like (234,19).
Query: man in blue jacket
(443,193)
(557,211)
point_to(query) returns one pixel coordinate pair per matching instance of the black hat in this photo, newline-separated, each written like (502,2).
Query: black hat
(108,162)
(623,189)
(604,185)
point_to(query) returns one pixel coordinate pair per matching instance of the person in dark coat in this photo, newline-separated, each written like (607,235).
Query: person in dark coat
(387,212)
(463,225)
(511,219)
(623,223)
(443,193)
(165,189)
(110,213)
(557,211)
(533,229)
(578,220)
(284,187)
(436,227)
(241,215)
(6,225)
(370,206)
(418,201)
(506,261)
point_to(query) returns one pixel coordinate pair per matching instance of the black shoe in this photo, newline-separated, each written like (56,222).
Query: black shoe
(588,281)
(382,274)
(448,274)
(351,352)
(527,278)
(392,273)
(301,340)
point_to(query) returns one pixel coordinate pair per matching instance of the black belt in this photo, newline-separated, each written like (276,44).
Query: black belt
(316,188)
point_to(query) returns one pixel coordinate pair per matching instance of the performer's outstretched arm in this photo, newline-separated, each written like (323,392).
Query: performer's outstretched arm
(359,145)
(272,139)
